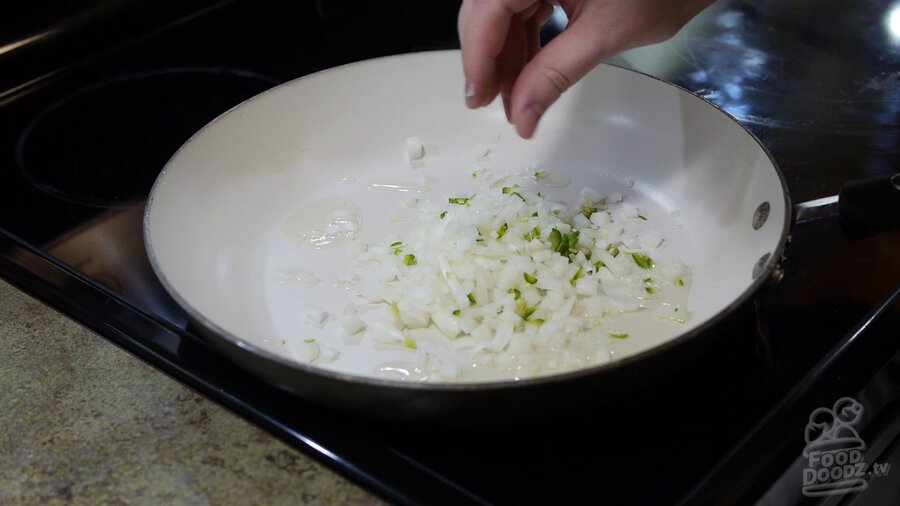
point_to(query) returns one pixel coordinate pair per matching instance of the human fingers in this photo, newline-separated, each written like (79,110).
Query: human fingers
(484,27)
(522,42)
(552,70)
(511,60)
(597,29)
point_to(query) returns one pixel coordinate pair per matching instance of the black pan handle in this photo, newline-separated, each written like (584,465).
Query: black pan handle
(865,207)
(870,206)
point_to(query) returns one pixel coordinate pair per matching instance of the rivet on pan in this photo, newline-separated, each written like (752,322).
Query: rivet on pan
(761,215)
(776,275)
(760,265)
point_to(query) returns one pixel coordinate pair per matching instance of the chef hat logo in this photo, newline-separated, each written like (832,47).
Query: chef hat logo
(832,429)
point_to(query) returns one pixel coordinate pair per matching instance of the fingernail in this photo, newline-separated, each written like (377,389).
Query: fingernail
(533,115)
(470,94)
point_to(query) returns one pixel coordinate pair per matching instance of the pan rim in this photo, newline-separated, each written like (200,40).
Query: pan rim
(221,336)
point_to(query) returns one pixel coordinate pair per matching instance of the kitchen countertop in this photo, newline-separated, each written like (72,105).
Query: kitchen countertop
(85,422)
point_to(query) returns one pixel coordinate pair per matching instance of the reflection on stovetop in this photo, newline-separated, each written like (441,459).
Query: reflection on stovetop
(79,151)
(817,81)
(110,250)
(770,67)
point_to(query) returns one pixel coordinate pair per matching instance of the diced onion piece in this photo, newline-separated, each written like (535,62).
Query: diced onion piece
(316,315)
(415,150)
(307,351)
(506,280)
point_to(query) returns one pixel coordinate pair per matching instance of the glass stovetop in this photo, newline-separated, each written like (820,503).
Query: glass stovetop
(80,148)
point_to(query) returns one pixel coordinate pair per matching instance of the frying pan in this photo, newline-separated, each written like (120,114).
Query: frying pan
(214,221)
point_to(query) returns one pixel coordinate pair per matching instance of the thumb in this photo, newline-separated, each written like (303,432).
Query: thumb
(555,68)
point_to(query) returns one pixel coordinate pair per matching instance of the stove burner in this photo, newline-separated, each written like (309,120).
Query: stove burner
(105,144)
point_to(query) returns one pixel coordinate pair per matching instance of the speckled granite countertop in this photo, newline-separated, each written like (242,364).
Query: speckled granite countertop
(84,422)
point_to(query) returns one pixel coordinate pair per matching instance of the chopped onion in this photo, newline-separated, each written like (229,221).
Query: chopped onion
(415,150)
(509,281)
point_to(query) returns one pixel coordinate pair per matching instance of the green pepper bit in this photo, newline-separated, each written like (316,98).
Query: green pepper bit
(520,302)
(520,305)
(643,261)
(502,231)
(564,244)
(511,190)
(529,278)
(572,241)
(527,312)
(577,276)
(410,259)
(618,335)
(555,239)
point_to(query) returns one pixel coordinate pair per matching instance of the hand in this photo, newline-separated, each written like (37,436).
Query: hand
(502,53)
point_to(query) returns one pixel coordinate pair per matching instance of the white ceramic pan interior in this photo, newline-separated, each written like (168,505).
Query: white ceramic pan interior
(215,223)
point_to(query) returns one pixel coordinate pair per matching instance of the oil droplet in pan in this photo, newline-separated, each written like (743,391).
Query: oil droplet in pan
(399,187)
(299,276)
(552,180)
(326,223)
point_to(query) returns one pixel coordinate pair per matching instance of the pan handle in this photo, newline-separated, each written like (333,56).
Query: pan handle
(865,207)
(870,206)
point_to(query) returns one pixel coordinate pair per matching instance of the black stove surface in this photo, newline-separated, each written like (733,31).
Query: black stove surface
(80,147)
